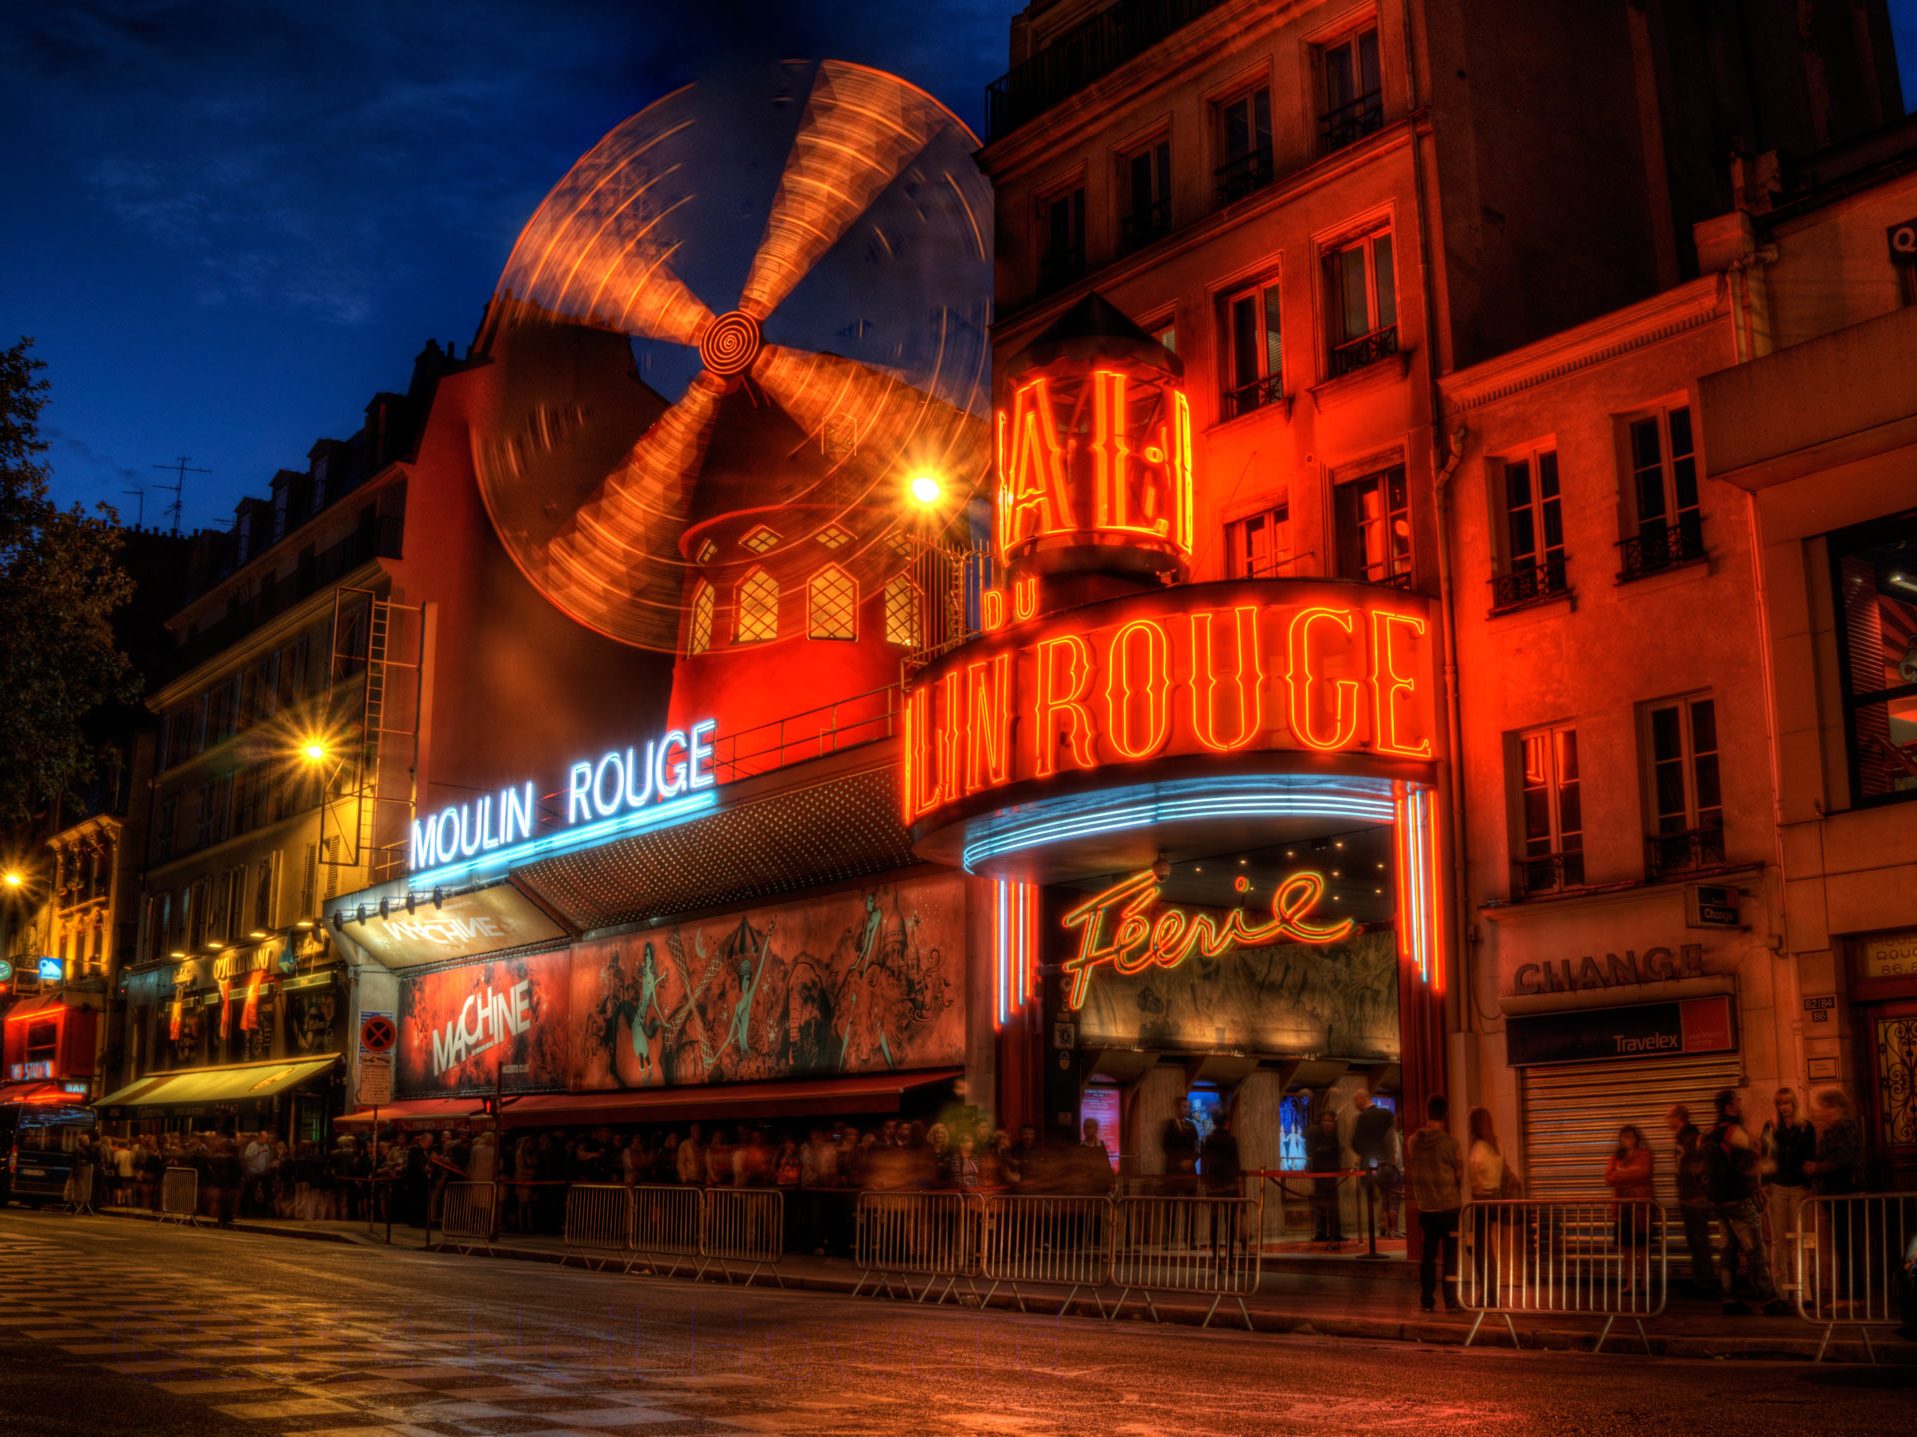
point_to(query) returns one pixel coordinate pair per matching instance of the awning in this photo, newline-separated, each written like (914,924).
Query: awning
(44,1006)
(41,1092)
(416,1113)
(861,1093)
(199,1087)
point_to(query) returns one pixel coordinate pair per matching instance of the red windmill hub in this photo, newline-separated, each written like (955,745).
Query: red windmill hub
(729,345)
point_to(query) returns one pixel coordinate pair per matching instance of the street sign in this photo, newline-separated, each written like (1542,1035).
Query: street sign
(1820,1007)
(6,970)
(52,970)
(1712,905)
(377,1034)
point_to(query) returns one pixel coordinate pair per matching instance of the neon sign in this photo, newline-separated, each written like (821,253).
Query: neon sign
(618,792)
(1119,928)
(1198,669)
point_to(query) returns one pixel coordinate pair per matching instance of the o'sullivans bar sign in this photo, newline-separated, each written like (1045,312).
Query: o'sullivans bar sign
(1320,668)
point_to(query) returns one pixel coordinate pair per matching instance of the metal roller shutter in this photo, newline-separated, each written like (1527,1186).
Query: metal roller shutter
(1572,1113)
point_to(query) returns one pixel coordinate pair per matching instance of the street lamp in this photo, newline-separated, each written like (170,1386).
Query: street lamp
(925,488)
(14,878)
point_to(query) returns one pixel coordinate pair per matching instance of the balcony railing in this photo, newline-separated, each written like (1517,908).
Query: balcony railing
(1355,354)
(1528,583)
(1144,224)
(1547,873)
(1059,267)
(1255,395)
(1242,174)
(1657,547)
(1081,55)
(1683,852)
(1350,123)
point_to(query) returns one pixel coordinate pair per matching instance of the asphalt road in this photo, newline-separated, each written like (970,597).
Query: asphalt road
(112,1325)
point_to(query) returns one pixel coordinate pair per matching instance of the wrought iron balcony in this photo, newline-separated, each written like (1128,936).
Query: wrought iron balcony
(1547,873)
(1350,123)
(1683,852)
(1143,224)
(1255,395)
(1355,354)
(1657,547)
(1242,174)
(1529,583)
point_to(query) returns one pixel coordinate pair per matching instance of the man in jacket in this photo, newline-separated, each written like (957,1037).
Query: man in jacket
(1735,1186)
(1435,1167)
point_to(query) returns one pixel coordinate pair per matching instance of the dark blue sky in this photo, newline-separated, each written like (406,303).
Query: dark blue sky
(228,224)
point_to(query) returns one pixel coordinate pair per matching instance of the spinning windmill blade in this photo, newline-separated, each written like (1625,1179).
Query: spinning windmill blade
(878,181)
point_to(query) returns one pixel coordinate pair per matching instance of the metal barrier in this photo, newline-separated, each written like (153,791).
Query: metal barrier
(1186,1244)
(599,1224)
(78,1193)
(180,1196)
(668,1222)
(466,1215)
(1062,1240)
(744,1225)
(933,1235)
(1564,1259)
(1850,1252)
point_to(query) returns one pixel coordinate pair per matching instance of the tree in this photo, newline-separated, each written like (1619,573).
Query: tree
(60,583)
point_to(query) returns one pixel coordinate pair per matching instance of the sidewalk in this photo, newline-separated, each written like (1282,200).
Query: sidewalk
(1336,1301)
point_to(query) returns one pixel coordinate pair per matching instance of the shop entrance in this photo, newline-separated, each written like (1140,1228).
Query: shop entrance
(1890,1100)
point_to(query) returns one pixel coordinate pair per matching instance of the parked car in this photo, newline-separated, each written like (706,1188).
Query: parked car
(42,1145)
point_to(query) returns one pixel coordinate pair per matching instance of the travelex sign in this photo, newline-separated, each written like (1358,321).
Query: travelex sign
(624,790)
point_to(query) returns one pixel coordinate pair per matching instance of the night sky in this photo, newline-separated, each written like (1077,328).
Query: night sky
(229,224)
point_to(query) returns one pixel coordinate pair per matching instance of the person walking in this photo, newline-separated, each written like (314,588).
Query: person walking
(1734,1187)
(1786,1143)
(1324,1156)
(1435,1168)
(1373,1145)
(1834,1170)
(1223,1177)
(1694,1201)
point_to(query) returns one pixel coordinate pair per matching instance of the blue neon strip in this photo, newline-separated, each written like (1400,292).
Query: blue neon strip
(566,840)
(1115,811)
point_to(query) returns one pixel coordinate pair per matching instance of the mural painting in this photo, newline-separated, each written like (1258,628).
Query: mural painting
(1335,999)
(863,981)
(461,1030)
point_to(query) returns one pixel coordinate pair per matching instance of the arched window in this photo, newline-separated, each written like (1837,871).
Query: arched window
(699,635)
(758,617)
(904,617)
(832,605)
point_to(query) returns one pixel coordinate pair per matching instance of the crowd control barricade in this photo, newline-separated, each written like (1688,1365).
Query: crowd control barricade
(1193,1245)
(79,1189)
(744,1225)
(1564,1259)
(180,1196)
(1849,1255)
(905,1235)
(466,1216)
(599,1225)
(1065,1241)
(668,1221)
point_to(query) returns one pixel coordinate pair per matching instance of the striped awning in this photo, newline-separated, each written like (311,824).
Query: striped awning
(196,1088)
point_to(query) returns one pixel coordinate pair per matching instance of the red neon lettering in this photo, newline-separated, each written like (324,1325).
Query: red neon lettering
(950,743)
(988,736)
(1060,711)
(992,610)
(1024,597)
(1304,678)
(1389,684)
(1138,689)
(1112,462)
(1178,468)
(921,786)
(1137,941)
(1246,684)
(1034,498)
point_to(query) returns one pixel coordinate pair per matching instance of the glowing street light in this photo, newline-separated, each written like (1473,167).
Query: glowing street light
(314,750)
(14,878)
(926,489)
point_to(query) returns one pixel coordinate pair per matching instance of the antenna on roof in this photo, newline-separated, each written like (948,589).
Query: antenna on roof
(140,494)
(180,468)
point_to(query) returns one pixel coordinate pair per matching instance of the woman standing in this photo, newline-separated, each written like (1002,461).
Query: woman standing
(1484,1169)
(1628,1175)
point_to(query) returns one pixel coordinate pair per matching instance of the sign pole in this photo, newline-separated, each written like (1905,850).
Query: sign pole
(372,1169)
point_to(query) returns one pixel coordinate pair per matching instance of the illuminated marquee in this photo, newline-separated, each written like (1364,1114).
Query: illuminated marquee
(1119,927)
(621,784)
(1214,668)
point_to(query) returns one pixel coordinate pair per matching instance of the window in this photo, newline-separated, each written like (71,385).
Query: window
(1876,575)
(758,608)
(699,632)
(1533,559)
(1353,91)
(1254,356)
(760,539)
(43,1042)
(1167,335)
(1145,183)
(1550,817)
(1258,546)
(1361,304)
(1061,238)
(264,886)
(1664,527)
(1244,143)
(903,612)
(831,605)
(1374,529)
(1686,803)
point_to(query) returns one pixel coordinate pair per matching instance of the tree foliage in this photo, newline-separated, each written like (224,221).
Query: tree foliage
(60,583)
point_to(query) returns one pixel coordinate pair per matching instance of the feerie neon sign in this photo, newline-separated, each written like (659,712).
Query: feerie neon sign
(1119,928)
(1210,668)
(622,782)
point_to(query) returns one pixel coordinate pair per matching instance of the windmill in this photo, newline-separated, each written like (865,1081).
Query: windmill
(840,354)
